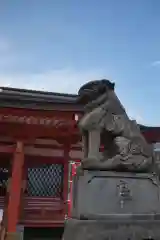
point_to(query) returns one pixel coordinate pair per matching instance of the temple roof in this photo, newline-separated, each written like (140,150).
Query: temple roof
(145,128)
(32,99)
(43,100)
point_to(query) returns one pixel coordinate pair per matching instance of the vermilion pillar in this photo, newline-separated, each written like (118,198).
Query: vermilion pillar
(15,191)
(65,177)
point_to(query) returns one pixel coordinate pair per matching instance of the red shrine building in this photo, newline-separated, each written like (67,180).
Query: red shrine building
(40,146)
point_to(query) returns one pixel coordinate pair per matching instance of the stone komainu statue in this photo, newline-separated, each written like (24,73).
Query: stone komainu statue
(105,120)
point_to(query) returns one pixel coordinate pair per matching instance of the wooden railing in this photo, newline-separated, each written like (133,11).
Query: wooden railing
(43,211)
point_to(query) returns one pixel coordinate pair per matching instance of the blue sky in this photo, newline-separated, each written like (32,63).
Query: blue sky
(57,45)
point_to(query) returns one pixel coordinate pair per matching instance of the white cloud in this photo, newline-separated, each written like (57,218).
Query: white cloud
(156,63)
(135,116)
(63,80)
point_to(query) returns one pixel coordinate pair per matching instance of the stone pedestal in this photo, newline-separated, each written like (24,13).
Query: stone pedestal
(97,194)
(105,202)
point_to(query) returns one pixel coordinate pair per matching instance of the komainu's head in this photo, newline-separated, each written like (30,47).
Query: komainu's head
(93,89)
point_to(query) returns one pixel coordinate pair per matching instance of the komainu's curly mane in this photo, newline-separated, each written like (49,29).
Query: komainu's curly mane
(95,85)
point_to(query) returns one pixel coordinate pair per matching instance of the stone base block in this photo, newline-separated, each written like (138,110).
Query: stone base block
(108,230)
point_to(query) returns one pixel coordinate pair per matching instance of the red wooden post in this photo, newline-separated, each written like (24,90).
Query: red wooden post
(15,191)
(65,178)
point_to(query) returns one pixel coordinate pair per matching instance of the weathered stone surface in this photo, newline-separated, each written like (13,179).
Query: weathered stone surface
(106,194)
(111,230)
(105,120)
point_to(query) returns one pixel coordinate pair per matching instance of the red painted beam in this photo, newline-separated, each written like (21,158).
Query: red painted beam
(152,136)
(7,149)
(38,113)
(23,131)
